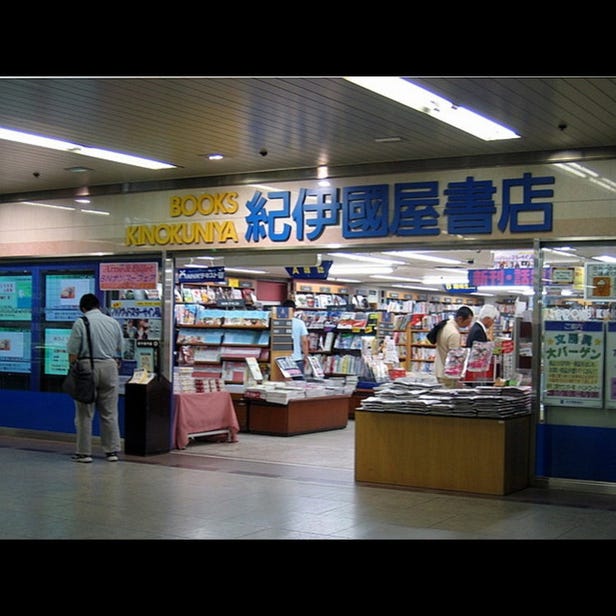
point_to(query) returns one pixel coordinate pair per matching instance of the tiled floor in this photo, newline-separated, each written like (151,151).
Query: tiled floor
(263,487)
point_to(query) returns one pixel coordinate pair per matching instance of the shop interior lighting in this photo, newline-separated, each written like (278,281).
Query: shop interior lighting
(342,270)
(75,148)
(407,254)
(241,270)
(49,205)
(397,278)
(506,290)
(412,287)
(377,260)
(587,174)
(95,212)
(445,279)
(437,107)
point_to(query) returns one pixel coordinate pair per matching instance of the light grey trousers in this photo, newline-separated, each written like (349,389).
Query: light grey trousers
(107,382)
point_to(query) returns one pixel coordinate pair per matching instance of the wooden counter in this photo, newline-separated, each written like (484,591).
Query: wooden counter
(467,454)
(356,398)
(300,416)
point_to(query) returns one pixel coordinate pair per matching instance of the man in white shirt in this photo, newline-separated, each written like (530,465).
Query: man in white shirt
(450,337)
(300,337)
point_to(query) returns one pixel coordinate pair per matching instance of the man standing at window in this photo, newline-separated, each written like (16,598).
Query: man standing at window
(106,336)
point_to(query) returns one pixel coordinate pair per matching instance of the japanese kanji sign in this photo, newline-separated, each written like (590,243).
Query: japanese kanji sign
(573,354)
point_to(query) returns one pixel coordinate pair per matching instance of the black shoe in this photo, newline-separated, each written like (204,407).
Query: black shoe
(81,457)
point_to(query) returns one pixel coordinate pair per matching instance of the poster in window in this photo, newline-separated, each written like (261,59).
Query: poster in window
(573,363)
(63,292)
(15,349)
(56,355)
(610,366)
(15,297)
(600,282)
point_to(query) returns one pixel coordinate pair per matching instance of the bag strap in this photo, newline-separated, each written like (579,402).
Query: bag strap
(87,324)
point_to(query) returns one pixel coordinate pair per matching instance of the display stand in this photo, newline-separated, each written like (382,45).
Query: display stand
(203,414)
(147,417)
(466,454)
(299,416)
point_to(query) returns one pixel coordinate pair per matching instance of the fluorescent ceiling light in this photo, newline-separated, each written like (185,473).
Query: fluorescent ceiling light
(569,169)
(420,99)
(376,260)
(604,183)
(407,254)
(345,280)
(409,286)
(606,259)
(453,270)
(55,207)
(97,212)
(399,278)
(507,290)
(244,271)
(445,280)
(336,270)
(74,148)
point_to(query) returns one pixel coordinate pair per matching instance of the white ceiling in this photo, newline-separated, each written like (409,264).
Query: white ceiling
(301,122)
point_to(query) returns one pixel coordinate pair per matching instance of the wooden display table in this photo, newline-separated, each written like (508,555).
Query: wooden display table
(300,416)
(356,398)
(467,454)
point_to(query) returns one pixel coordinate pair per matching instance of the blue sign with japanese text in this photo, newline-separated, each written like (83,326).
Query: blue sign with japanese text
(363,212)
(201,274)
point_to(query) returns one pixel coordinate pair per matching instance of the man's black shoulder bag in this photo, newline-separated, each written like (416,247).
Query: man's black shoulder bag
(79,382)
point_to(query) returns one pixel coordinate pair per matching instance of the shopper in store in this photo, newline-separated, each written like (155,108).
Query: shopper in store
(300,338)
(450,337)
(106,338)
(480,328)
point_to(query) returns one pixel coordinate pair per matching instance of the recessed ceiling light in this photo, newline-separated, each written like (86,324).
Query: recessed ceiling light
(78,169)
(215,156)
(388,139)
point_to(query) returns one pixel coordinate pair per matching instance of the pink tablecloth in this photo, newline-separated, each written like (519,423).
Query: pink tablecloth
(201,413)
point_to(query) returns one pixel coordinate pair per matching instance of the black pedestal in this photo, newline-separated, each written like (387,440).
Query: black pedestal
(147,418)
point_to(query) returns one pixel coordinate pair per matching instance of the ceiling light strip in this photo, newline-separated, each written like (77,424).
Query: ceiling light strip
(74,148)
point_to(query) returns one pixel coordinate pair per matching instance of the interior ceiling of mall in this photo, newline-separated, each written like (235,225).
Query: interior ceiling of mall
(277,128)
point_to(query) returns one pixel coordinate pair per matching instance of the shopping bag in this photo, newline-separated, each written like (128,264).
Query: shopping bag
(79,383)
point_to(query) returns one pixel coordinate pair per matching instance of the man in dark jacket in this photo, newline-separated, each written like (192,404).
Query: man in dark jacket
(479,330)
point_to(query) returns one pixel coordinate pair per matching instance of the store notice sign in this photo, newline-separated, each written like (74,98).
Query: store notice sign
(600,282)
(573,357)
(610,366)
(316,272)
(118,276)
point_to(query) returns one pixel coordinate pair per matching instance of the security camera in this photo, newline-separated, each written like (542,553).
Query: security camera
(562,125)
(263,152)
(36,174)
